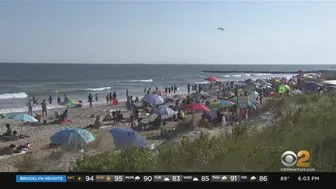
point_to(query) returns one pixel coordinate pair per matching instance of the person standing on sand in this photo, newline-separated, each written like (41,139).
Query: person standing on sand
(30,107)
(261,96)
(97,97)
(127,96)
(66,98)
(59,100)
(44,107)
(50,100)
(90,99)
(107,98)
(114,95)
(145,90)
(188,87)
(149,90)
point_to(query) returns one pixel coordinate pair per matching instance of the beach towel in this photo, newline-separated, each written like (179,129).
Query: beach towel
(15,154)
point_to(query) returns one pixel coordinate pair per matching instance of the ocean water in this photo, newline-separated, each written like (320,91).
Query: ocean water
(19,82)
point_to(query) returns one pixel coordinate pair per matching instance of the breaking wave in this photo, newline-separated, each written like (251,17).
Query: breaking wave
(13,95)
(98,89)
(140,81)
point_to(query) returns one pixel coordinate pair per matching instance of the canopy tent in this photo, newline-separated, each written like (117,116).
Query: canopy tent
(72,137)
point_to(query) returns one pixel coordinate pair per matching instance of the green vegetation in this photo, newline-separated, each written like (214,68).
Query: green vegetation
(306,122)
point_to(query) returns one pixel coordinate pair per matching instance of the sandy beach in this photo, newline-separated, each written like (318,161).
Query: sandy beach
(39,135)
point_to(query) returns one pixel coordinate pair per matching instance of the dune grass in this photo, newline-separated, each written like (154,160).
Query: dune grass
(307,122)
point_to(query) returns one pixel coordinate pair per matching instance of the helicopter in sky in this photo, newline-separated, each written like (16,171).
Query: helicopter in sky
(222,29)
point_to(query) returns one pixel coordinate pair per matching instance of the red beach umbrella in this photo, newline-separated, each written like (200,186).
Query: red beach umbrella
(196,107)
(212,78)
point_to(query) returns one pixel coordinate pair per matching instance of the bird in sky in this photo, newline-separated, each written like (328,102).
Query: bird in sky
(221,29)
(276,54)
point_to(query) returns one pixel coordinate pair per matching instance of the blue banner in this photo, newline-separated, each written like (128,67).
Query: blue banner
(41,178)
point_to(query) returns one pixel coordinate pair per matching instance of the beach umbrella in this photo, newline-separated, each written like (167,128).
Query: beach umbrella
(25,118)
(164,111)
(160,93)
(153,99)
(72,137)
(196,107)
(212,78)
(126,138)
(179,96)
(216,105)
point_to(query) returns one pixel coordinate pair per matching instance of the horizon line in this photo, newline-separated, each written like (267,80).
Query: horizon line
(79,63)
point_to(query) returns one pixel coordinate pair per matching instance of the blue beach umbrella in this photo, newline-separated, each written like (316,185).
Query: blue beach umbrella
(153,99)
(72,136)
(126,138)
(164,111)
(25,118)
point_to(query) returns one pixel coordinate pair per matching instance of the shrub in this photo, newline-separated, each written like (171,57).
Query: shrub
(309,126)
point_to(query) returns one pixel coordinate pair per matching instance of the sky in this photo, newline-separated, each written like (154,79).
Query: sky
(164,32)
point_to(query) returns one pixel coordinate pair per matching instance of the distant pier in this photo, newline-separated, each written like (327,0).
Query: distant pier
(265,72)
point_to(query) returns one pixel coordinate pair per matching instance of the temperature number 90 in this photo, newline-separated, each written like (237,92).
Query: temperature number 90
(147,178)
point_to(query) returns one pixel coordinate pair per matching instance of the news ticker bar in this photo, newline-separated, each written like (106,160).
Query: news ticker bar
(142,178)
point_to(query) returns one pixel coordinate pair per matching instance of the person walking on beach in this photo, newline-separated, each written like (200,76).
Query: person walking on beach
(66,98)
(107,98)
(90,99)
(188,88)
(175,89)
(44,107)
(145,90)
(127,96)
(59,100)
(110,97)
(261,96)
(114,95)
(97,97)
(149,90)
(30,107)
(50,100)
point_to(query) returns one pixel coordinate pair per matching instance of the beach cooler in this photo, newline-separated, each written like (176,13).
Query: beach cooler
(115,102)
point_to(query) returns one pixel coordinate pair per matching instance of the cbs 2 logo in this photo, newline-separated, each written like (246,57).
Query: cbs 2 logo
(289,159)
